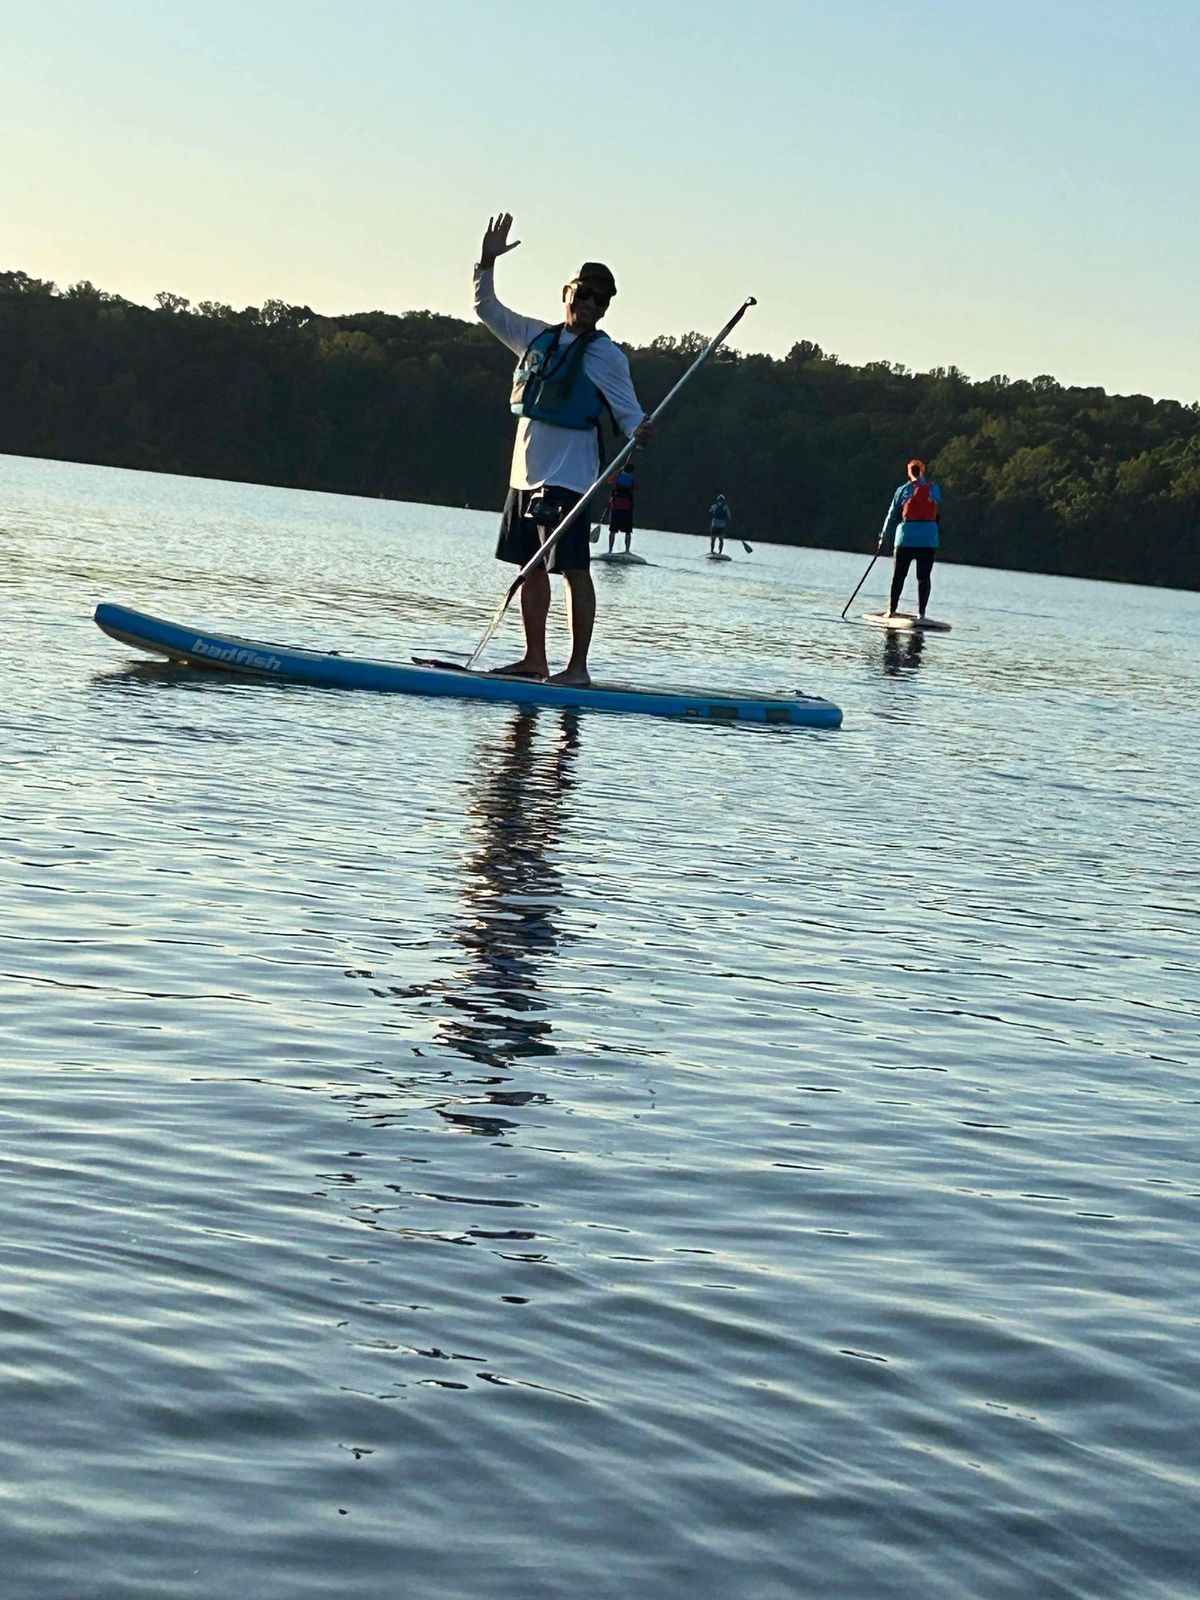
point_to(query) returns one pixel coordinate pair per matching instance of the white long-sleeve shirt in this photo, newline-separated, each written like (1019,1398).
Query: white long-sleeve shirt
(542,454)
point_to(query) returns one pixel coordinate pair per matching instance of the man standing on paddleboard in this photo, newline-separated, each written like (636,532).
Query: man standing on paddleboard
(568,374)
(620,506)
(719,518)
(914,517)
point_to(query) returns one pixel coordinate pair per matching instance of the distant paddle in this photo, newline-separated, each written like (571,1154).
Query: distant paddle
(594,536)
(748,548)
(861,581)
(617,462)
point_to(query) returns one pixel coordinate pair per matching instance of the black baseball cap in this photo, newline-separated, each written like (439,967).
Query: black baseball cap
(598,275)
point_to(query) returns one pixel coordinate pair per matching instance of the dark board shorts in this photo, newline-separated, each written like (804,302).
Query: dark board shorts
(620,519)
(521,537)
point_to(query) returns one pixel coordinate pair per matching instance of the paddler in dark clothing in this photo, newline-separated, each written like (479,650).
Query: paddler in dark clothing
(623,485)
(719,518)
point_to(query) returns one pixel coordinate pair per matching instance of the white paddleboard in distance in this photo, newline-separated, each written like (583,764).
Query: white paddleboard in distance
(717,555)
(622,558)
(905,622)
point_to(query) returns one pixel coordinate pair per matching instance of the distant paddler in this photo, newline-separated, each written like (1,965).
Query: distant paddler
(568,374)
(623,487)
(913,519)
(719,518)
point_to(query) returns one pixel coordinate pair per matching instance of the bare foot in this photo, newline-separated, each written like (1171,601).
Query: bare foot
(522,669)
(572,678)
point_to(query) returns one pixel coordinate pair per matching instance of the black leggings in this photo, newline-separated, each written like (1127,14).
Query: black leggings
(905,556)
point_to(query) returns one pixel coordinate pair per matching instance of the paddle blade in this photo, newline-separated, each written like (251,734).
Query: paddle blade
(748,548)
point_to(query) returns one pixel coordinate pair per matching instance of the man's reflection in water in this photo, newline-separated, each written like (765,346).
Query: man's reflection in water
(488,1010)
(491,1010)
(902,651)
(512,889)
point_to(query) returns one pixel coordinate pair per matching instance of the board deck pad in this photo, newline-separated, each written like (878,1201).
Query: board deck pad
(295,664)
(905,622)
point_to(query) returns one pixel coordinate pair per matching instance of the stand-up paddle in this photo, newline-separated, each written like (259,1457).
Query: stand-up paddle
(861,581)
(594,536)
(614,465)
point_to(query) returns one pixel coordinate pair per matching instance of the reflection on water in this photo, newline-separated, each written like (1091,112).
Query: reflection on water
(510,899)
(511,889)
(902,651)
(491,1011)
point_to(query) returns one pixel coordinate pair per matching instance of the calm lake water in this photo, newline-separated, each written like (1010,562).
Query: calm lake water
(452,1152)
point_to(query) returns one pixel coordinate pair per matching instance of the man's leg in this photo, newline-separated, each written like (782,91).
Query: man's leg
(900,565)
(535,607)
(516,544)
(581,594)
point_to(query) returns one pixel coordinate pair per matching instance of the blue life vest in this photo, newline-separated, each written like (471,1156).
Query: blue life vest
(623,485)
(551,386)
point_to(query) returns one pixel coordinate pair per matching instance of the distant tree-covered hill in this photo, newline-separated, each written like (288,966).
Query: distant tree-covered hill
(807,448)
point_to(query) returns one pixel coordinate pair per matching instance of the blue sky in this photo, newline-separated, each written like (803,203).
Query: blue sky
(1002,187)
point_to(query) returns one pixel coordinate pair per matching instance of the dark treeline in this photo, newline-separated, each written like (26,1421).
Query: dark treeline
(808,449)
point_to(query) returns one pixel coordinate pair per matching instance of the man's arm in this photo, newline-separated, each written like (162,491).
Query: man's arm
(607,365)
(515,331)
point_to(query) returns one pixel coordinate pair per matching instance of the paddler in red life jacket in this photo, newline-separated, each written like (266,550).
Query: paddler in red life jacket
(913,517)
(567,375)
(623,485)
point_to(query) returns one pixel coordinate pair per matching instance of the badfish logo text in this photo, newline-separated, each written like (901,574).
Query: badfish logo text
(237,656)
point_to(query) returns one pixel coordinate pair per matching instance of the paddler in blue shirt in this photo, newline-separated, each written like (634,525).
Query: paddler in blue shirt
(567,375)
(913,517)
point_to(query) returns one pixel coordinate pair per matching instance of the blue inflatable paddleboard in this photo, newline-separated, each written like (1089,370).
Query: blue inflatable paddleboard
(196,647)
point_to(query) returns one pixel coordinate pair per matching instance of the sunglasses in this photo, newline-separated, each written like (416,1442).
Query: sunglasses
(580,291)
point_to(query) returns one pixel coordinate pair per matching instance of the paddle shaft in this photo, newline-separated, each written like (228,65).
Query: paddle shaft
(617,462)
(861,581)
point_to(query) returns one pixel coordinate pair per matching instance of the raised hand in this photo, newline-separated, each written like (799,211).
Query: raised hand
(496,241)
